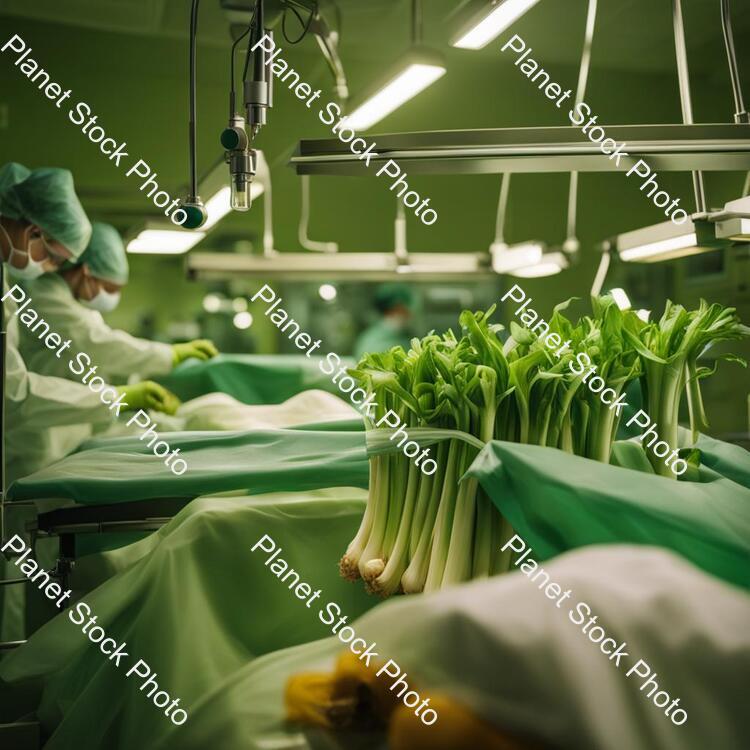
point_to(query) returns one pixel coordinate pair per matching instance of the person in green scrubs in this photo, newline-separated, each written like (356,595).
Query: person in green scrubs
(395,304)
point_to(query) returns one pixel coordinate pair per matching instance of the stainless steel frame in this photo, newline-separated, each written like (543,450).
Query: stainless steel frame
(341,266)
(680,148)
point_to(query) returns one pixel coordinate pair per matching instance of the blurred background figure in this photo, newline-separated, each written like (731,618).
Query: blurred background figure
(395,306)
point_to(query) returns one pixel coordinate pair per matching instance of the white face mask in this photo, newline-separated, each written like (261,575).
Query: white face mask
(104,301)
(33,268)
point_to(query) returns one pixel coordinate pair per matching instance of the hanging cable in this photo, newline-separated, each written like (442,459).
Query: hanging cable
(232,89)
(683,77)
(740,113)
(305,24)
(571,241)
(192,136)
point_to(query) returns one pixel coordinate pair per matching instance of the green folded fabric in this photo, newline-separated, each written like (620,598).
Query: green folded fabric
(250,378)
(196,603)
(117,470)
(558,502)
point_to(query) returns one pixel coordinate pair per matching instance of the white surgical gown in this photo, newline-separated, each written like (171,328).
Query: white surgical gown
(46,417)
(117,353)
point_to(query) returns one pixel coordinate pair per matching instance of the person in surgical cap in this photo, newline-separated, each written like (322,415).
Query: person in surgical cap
(395,303)
(42,223)
(74,299)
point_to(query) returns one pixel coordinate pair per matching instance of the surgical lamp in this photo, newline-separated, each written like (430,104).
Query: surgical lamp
(489,20)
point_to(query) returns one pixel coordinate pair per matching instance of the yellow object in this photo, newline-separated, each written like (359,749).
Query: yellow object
(457,727)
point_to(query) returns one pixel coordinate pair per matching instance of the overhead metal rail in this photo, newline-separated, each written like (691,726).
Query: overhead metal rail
(672,147)
(373,266)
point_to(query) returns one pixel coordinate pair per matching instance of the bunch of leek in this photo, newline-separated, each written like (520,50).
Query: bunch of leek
(422,532)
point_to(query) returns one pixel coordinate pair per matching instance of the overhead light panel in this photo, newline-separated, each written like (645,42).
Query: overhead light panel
(548,265)
(510,258)
(490,22)
(527,260)
(418,70)
(733,222)
(164,241)
(667,241)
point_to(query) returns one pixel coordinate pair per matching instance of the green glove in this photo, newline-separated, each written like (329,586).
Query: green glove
(200,349)
(149,395)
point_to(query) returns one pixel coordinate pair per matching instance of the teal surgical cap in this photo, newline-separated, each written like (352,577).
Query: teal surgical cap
(105,256)
(388,296)
(47,198)
(11,174)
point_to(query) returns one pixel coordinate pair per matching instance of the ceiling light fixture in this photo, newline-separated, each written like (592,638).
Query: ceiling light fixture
(550,264)
(733,222)
(490,22)
(510,258)
(667,241)
(419,68)
(164,241)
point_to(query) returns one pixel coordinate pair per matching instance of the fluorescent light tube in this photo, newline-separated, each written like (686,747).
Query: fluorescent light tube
(164,242)
(406,85)
(492,24)
(673,247)
(507,259)
(620,296)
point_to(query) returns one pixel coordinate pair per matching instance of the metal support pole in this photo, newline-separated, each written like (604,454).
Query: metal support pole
(416,21)
(683,77)
(571,241)
(502,209)
(740,113)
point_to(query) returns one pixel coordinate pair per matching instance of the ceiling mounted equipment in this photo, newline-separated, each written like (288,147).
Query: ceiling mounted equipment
(330,267)
(680,148)
(160,237)
(668,240)
(257,94)
(419,68)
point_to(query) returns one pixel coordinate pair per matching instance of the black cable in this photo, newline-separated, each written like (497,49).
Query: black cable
(250,42)
(232,90)
(192,136)
(305,26)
